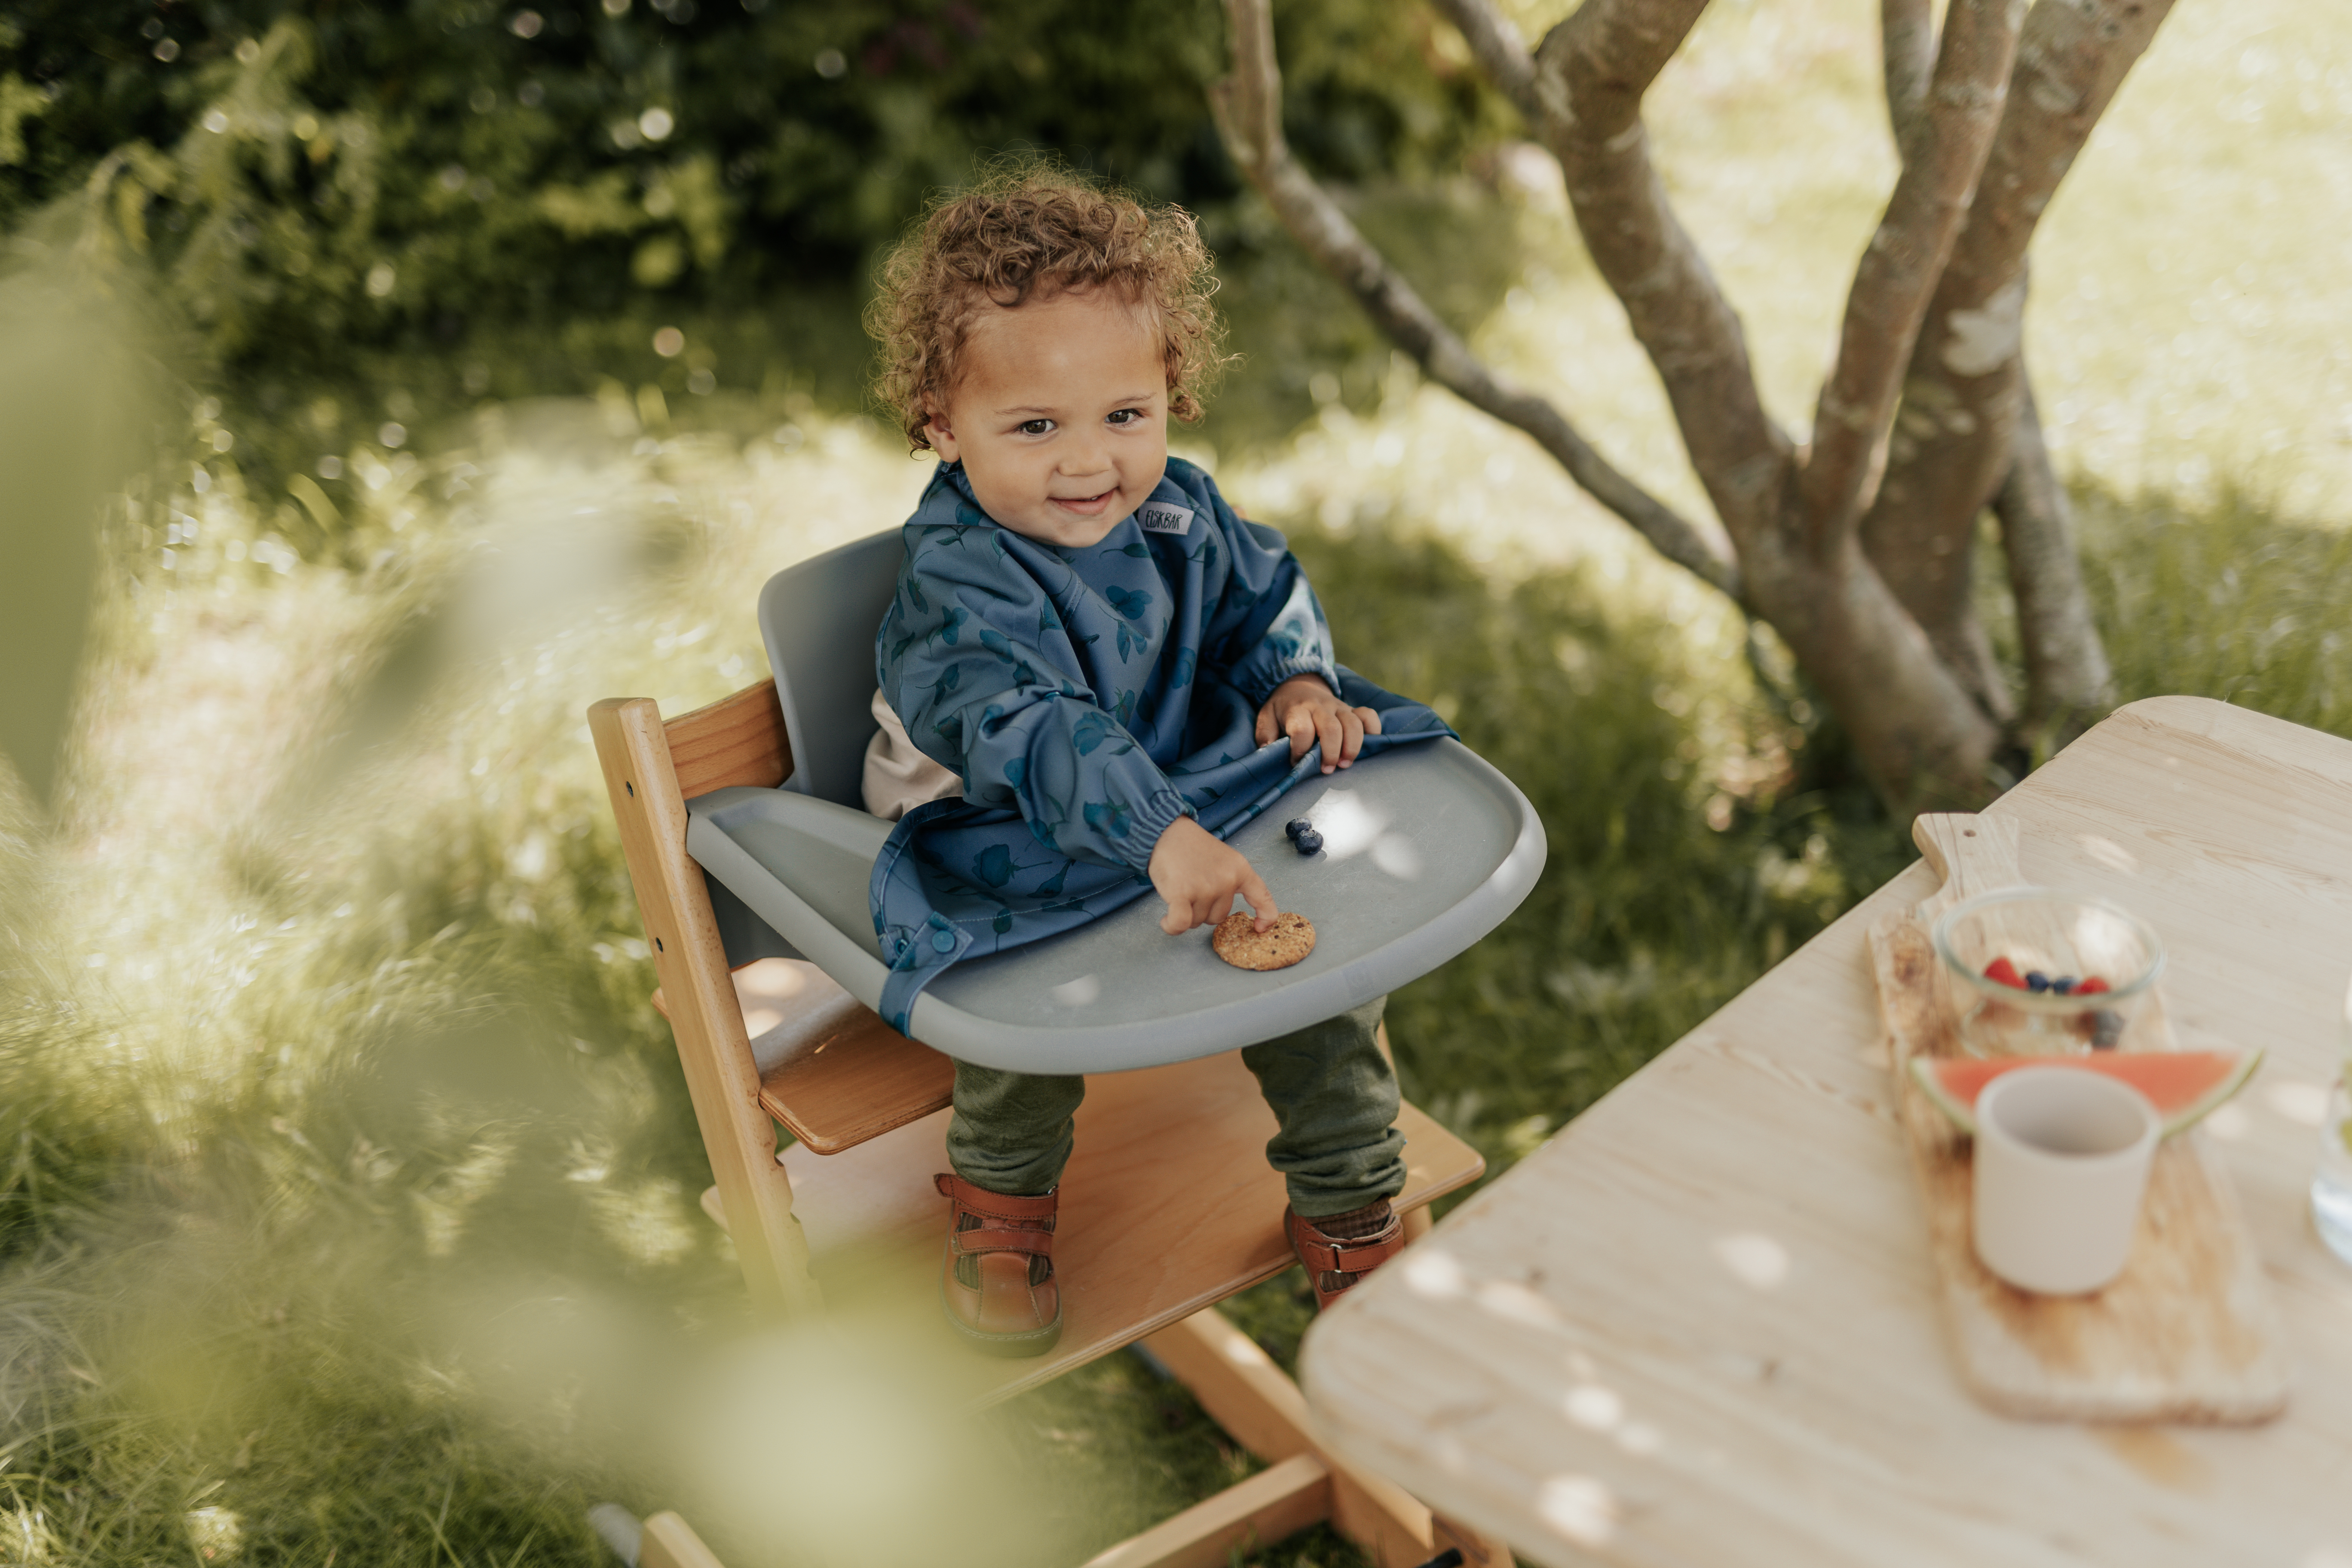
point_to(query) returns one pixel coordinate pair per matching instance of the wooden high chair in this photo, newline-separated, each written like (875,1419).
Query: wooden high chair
(848,1212)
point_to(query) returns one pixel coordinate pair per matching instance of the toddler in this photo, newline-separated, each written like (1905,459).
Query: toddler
(1114,672)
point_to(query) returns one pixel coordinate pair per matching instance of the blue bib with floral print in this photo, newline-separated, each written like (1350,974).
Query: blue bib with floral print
(1087,697)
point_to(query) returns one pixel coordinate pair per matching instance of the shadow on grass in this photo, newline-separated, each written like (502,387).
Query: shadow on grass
(370,1238)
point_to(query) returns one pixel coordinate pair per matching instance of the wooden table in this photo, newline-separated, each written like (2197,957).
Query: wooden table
(1700,1328)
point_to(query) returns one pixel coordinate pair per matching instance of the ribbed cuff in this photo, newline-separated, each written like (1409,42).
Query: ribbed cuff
(1304,663)
(1153,818)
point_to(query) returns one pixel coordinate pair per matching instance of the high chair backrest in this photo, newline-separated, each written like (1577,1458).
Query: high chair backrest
(818,619)
(735,741)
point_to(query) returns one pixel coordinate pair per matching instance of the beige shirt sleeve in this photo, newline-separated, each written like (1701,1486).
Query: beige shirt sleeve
(900,778)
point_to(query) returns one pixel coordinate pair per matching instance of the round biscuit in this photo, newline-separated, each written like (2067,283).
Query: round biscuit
(1240,944)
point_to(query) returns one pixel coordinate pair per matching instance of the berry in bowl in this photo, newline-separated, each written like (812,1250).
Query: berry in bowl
(2034,971)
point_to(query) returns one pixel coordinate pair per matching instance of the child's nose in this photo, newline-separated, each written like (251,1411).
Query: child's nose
(1089,454)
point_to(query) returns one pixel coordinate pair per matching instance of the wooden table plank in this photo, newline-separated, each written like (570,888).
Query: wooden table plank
(1699,1326)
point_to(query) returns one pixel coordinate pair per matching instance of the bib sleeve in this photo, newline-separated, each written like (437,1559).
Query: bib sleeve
(1266,626)
(973,656)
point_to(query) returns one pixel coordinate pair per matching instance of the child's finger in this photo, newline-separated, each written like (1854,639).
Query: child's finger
(1327,729)
(1266,731)
(1301,727)
(1261,902)
(1179,919)
(1352,736)
(1372,718)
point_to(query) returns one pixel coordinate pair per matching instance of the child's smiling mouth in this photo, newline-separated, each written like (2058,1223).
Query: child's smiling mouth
(1085,505)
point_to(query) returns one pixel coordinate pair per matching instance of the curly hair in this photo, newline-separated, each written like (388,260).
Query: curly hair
(1027,229)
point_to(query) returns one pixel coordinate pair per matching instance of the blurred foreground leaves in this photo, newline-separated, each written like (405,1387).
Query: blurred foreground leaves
(347,1181)
(77,412)
(350,1204)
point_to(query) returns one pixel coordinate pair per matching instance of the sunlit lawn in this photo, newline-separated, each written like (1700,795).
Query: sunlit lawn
(348,1202)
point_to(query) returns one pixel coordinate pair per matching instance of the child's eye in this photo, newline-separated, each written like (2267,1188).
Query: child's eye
(1125,417)
(1034,426)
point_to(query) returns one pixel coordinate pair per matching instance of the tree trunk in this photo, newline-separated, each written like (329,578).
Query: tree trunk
(2068,683)
(1965,388)
(1921,737)
(1855,549)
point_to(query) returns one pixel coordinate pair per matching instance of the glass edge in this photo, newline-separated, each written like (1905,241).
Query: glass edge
(1938,938)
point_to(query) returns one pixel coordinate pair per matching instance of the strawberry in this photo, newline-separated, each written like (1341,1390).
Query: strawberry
(2091,987)
(2002,970)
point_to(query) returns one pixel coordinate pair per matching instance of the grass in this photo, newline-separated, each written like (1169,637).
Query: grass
(348,1202)
(346,1175)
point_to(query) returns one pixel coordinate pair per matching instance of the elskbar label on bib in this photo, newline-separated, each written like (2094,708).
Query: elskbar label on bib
(1159,517)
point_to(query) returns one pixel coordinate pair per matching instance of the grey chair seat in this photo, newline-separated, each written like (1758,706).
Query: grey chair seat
(1427,849)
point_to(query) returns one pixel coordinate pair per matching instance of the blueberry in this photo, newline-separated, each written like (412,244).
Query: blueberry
(2065,987)
(1297,825)
(2106,1028)
(1309,842)
(2036,981)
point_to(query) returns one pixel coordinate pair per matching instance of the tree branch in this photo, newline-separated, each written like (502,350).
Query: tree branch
(1906,257)
(2071,59)
(1501,51)
(1248,111)
(1610,51)
(1920,736)
(1951,449)
(1906,35)
(2068,680)
(1592,72)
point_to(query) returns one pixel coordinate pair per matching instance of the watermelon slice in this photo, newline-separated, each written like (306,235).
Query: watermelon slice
(2185,1087)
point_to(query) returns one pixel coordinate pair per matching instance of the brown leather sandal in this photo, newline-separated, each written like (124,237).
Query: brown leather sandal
(1334,1266)
(996,1282)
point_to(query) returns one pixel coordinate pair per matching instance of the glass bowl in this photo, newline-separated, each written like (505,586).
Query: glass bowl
(2058,938)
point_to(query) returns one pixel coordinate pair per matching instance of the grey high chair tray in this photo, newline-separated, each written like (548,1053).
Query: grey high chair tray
(1426,848)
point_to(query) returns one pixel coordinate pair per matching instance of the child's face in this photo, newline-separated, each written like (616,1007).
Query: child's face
(1061,419)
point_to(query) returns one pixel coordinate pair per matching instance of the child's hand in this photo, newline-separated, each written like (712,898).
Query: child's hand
(1199,875)
(1305,708)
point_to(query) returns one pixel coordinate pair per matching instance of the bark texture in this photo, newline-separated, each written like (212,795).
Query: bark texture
(1906,31)
(1907,256)
(2068,682)
(1965,387)
(1853,548)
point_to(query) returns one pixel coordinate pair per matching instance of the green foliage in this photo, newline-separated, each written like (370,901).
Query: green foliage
(76,406)
(58,1145)
(346,1175)
(321,177)
(293,1267)
(347,1202)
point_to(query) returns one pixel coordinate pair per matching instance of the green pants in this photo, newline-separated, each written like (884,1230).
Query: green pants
(1333,1094)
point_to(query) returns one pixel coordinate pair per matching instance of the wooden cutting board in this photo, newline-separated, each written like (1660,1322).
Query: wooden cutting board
(2188,1331)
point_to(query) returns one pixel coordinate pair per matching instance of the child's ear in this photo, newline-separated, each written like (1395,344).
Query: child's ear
(937,430)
